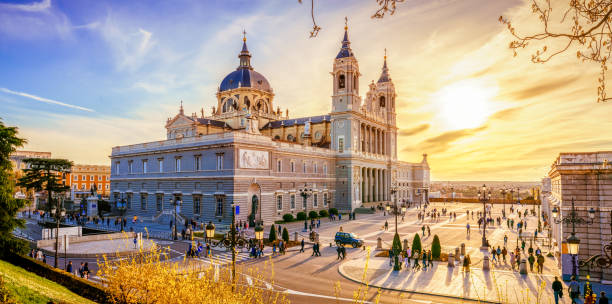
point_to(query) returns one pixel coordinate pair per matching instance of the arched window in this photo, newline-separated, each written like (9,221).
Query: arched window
(355,83)
(247,102)
(276,137)
(382,101)
(228,106)
(341,81)
(290,137)
(261,106)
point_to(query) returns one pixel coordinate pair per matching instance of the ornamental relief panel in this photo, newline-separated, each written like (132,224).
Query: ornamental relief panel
(253,159)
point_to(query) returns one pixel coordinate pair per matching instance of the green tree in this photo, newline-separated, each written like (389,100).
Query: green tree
(313,214)
(436,249)
(285,235)
(397,248)
(272,236)
(49,175)
(288,217)
(416,243)
(9,141)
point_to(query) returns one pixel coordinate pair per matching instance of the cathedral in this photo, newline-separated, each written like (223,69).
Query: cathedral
(251,154)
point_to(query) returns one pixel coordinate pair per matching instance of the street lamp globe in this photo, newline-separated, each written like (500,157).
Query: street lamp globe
(484,188)
(555,212)
(63,212)
(53,210)
(403,209)
(573,244)
(592,213)
(388,208)
(259,231)
(210,230)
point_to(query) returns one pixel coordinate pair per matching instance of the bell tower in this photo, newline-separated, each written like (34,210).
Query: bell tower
(345,78)
(385,94)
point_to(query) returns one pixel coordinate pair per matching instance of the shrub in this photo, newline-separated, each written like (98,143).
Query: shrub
(416,243)
(272,236)
(333,211)
(11,245)
(288,217)
(285,235)
(436,249)
(323,213)
(313,214)
(397,244)
(301,216)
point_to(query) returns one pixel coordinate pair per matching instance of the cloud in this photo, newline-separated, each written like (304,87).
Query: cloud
(442,142)
(506,113)
(33,7)
(45,100)
(414,131)
(540,88)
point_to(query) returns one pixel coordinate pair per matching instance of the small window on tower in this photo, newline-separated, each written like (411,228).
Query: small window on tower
(382,101)
(341,81)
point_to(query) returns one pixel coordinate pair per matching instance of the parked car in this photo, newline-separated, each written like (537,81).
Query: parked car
(347,238)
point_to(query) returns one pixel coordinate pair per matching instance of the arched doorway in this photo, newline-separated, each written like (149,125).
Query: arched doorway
(254,204)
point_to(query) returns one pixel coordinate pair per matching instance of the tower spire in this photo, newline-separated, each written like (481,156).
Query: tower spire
(384,76)
(245,56)
(181,109)
(345,50)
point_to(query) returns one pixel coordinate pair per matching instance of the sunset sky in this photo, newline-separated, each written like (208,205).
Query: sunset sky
(79,77)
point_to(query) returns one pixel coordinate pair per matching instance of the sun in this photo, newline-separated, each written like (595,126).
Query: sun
(464,104)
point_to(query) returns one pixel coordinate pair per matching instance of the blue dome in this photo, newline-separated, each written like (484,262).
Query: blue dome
(245,78)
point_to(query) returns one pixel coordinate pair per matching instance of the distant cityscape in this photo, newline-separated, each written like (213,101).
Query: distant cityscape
(470,188)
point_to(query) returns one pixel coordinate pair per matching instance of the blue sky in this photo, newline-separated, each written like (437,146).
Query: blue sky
(79,77)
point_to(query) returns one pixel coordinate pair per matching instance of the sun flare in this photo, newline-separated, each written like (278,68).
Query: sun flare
(464,104)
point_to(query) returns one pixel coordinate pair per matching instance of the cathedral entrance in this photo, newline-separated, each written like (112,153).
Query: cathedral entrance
(255,204)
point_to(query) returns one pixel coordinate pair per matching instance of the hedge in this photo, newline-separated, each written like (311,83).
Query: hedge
(313,214)
(436,249)
(272,236)
(333,211)
(73,283)
(416,243)
(288,217)
(323,213)
(301,216)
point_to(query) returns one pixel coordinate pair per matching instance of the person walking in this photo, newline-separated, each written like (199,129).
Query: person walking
(540,263)
(505,240)
(602,298)
(86,270)
(302,245)
(504,252)
(386,225)
(429,259)
(428,231)
(512,260)
(466,263)
(531,260)
(69,267)
(339,251)
(424,257)
(416,265)
(423,229)
(343,252)
(467,227)
(408,256)
(557,288)
(493,254)
(81,273)
(574,290)
(406,260)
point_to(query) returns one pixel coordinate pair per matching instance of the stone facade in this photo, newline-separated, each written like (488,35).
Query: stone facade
(585,178)
(250,154)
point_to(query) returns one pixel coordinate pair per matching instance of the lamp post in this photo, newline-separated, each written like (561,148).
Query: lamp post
(177,204)
(305,193)
(122,207)
(484,197)
(503,194)
(452,194)
(573,242)
(393,191)
(233,241)
(58,212)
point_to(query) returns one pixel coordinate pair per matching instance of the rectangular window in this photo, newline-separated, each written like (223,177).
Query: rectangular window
(304,202)
(160,163)
(198,163)
(279,165)
(107,186)
(304,167)
(315,167)
(324,168)
(130,167)
(292,201)
(177,164)
(279,202)
(99,186)
(117,168)
(325,199)
(83,177)
(340,144)
(91,178)
(219,209)
(129,200)
(143,201)
(75,177)
(144,166)
(159,202)
(315,200)
(197,201)
(219,162)
(83,187)
(292,166)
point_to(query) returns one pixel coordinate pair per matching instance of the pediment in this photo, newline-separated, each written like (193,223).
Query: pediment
(179,121)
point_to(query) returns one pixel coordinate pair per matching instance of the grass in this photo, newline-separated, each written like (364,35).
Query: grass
(26,287)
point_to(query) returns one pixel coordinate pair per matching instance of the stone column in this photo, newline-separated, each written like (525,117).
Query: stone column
(367,183)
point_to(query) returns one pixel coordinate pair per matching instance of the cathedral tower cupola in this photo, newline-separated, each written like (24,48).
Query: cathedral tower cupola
(384,76)
(345,78)
(345,50)
(245,56)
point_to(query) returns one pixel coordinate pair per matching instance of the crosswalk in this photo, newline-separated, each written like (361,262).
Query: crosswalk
(224,258)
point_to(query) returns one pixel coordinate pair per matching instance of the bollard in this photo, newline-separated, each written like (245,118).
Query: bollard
(295,234)
(451,259)
(523,266)
(485,263)
(463,249)
(379,243)
(405,244)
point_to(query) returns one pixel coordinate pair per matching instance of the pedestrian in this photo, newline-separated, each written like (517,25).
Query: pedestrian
(424,257)
(416,265)
(69,267)
(423,229)
(428,231)
(81,273)
(386,225)
(531,260)
(390,252)
(406,260)
(557,288)
(512,260)
(339,253)
(602,298)
(466,262)
(86,270)
(343,252)
(408,256)
(430,258)
(574,290)
(135,240)
(523,245)
(274,248)
(44,259)
(467,227)
(504,252)
(318,223)
(540,263)
(505,240)
(493,254)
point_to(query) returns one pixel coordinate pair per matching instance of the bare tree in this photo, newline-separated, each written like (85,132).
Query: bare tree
(315,27)
(584,24)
